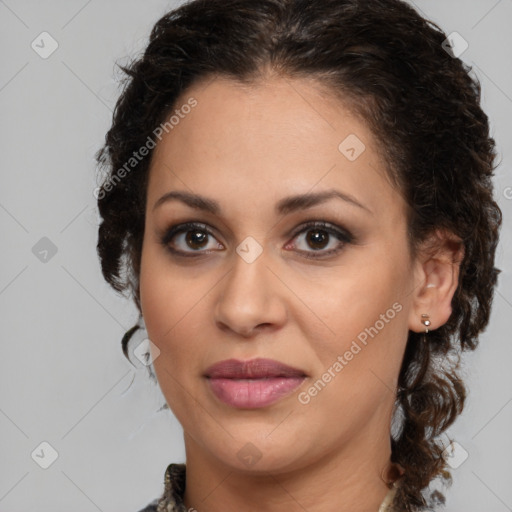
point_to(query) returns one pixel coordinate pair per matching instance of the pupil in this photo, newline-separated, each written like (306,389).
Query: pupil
(319,237)
(199,237)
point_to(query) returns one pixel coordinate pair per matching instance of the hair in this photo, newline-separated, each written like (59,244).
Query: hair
(390,65)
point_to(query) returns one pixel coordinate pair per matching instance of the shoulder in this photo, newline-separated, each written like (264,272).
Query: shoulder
(172,497)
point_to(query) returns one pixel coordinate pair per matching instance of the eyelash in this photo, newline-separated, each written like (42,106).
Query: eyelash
(343,235)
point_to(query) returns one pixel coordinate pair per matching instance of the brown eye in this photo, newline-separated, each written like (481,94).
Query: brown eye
(319,236)
(194,238)
(185,239)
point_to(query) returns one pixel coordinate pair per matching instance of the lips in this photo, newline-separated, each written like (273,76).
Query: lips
(252,369)
(252,384)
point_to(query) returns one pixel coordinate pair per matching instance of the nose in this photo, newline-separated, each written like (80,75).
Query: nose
(251,298)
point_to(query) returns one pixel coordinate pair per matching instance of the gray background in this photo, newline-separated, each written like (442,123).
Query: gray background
(63,378)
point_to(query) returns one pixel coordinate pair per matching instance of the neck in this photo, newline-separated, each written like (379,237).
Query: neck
(350,479)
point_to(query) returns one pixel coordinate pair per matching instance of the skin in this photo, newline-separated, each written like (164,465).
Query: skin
(247,147)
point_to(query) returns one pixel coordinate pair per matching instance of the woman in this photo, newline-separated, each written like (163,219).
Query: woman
(298,197)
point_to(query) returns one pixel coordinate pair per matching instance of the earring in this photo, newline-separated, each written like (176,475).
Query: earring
(425,321)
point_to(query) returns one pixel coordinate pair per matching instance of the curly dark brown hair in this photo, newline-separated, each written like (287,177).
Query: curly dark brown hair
(423,106)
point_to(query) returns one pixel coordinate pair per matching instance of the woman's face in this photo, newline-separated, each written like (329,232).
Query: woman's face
(254,281)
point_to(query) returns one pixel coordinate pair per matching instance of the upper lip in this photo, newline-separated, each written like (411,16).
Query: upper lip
(253,368)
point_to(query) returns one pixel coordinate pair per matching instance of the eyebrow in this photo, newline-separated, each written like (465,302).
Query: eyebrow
(284,206)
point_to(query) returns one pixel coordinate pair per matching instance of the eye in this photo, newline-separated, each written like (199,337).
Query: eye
(193,237)
(319,236)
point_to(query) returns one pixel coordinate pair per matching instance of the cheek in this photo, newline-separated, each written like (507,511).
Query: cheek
(172,302)
(359,364)
(163,291)
(360,291)
(159,304)
(366,315)
(167,302)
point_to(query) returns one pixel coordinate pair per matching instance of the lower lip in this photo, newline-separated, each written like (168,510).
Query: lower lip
(253,393)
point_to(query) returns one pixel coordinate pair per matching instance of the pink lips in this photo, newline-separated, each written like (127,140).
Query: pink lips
(254,383)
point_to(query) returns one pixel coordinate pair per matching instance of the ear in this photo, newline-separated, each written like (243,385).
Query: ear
(436,276)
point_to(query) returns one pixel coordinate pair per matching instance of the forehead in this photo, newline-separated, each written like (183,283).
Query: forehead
(257,143)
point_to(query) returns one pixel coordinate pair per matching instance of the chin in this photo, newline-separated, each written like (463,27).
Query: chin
(248,455)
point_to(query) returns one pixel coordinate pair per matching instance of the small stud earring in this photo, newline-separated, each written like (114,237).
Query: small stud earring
(425,321)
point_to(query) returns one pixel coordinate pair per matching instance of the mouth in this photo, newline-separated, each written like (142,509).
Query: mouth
(254,383)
